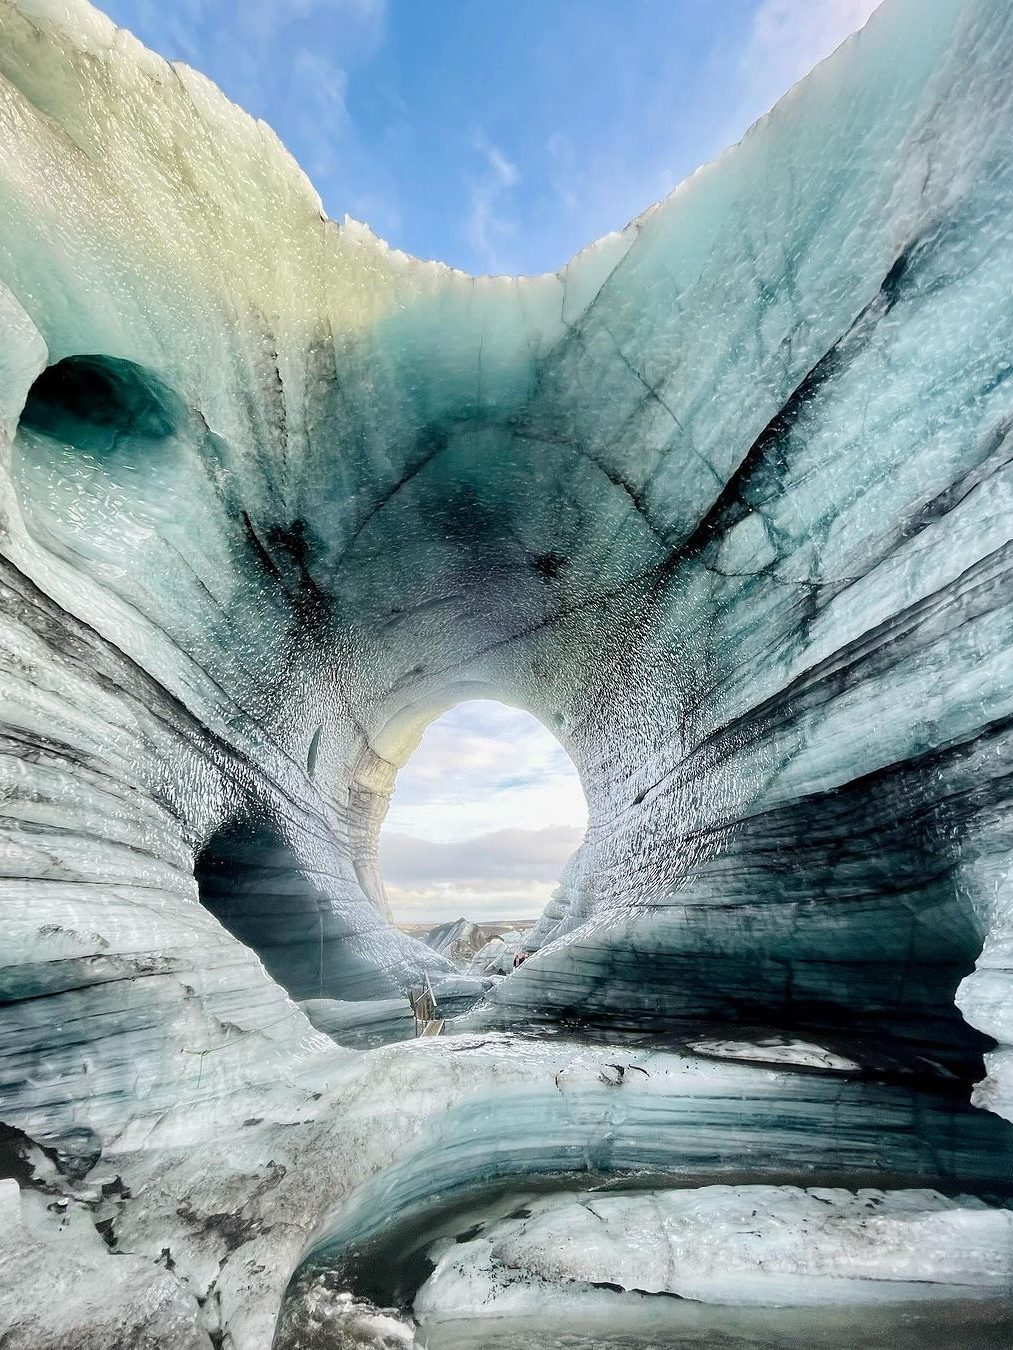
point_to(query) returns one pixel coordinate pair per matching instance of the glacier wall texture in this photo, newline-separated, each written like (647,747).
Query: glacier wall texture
(726,503)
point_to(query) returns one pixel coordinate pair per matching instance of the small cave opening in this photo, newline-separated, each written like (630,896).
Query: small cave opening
(288,912)
(249,878)
(95,402)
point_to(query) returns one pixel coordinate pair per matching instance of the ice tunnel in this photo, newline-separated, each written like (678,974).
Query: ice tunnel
(726,503)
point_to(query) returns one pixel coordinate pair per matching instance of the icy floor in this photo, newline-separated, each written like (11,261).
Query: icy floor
(655,1324)
(329,1321)
(381,1292)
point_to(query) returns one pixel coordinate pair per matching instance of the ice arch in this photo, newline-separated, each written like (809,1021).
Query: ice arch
(723,503)
(375,775)
(726,503)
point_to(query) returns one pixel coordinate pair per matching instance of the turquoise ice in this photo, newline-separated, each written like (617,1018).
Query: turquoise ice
(726,503)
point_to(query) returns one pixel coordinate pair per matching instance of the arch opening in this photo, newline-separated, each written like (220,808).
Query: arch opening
(482,819)
(94,402)
(251,879)
(248,878)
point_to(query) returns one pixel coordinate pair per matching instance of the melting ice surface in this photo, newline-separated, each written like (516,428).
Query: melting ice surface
(726,504)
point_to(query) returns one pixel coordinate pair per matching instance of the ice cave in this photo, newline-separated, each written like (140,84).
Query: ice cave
(726,504)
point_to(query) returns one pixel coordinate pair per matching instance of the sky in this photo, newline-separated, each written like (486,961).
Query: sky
(483,817)
(498,136)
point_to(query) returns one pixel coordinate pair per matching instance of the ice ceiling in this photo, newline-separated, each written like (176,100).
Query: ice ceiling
(726,503)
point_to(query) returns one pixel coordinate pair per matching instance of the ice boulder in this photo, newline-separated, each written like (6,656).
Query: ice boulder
(755,1245)
(459,940)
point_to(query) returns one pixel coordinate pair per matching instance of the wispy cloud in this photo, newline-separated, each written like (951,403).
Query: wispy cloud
(372,99)
(507,874)
(785,40)
(265,21)
(491,903)
(322,117)
(488,224)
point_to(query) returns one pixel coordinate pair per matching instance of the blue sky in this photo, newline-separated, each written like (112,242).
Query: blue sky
(498,135)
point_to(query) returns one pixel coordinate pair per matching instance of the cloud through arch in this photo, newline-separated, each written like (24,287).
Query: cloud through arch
(484,815)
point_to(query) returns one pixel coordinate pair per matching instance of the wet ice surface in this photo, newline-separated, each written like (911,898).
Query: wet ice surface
(330,1319)
(693,1327)
(958,1327)
(726,503)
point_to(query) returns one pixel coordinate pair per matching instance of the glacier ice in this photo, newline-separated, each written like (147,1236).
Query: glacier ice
(496,957)
(460,939)
(131,1300)
(725,503)
(752,1245)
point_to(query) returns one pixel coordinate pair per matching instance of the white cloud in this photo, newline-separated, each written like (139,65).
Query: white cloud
(484,767)
(322,119)
(484,815)
(488,225)
(516,856)
(325,82)
(563,171)
(807,30)
(496,904)
(363,21)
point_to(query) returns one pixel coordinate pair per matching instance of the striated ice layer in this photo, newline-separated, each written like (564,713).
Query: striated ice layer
(433,1138)
(726,503)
